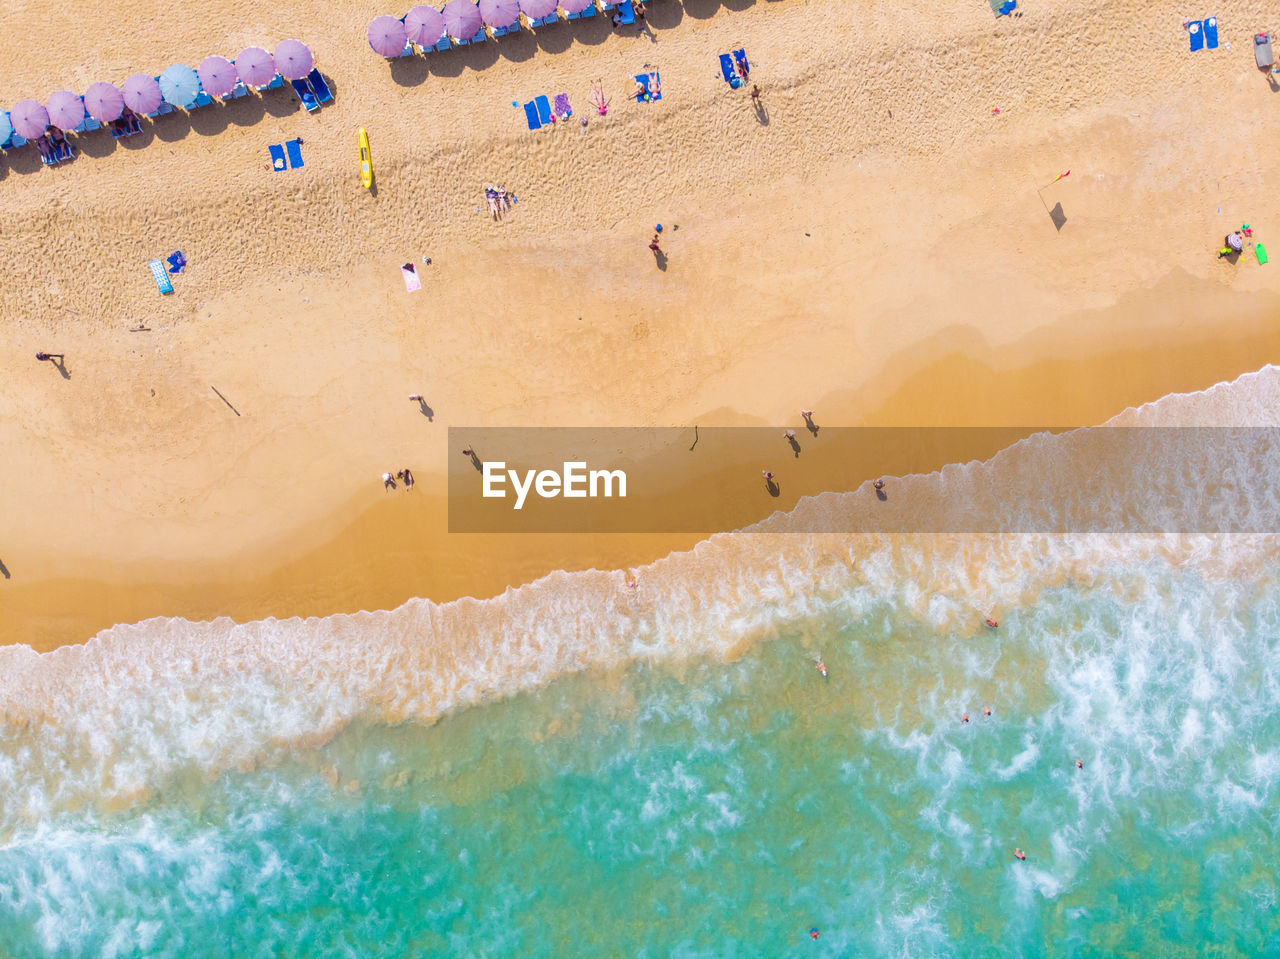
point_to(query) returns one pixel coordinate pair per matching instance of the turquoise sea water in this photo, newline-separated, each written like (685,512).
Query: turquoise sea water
(722,808)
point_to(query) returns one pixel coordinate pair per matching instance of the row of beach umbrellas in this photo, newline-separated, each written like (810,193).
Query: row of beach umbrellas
(460,19)
(179,85)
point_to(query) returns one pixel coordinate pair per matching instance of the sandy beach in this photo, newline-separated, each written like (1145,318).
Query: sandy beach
(876,245)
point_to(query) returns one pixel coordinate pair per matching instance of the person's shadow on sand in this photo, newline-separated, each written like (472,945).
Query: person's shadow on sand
(61,364)
(426,410)
(4,570)
(795,447)
(661,259)
(762,114)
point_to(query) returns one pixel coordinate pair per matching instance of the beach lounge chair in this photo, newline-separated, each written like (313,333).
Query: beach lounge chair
(443,43)
(161,277)
(1211,33)
(294,149)
(728,72)
(277,157)
(607,5)
(628,13)
(563,110)
(202,100)
(16,141)
(306,95)
(276,82)
(544,108)
(239,90)
(1262,51)
(531,114)
(47,155)
(480,36)
(90,124)
(322,91)
(64,151)
(118,130)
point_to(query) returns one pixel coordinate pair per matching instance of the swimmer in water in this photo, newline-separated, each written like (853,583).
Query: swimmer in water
(813,933)
(1079,764)
(964,718)
(992,623)
(820,665)
(986,712)
(1019,854)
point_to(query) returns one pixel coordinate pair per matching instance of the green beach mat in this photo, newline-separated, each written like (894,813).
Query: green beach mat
(1261,250)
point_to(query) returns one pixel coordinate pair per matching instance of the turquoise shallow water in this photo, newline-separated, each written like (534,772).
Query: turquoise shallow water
(722,809)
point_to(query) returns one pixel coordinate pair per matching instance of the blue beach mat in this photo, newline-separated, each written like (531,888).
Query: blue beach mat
(161,277)
(644,97)
(1211,33)
(531,114)
(294,149)
(1197,35)
(728,72)
(544,108)
(740,56)
(277,157)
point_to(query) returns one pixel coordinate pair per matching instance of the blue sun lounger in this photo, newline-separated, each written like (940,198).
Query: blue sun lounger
(294,149)
(322,91)
(277,157)
(1197,35)
(443,43)
(628,13)
(1211,33)
(531,114)
(161,277)
(276,82)
(305,94)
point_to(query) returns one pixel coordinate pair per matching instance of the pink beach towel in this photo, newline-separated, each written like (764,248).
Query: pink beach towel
(411,281)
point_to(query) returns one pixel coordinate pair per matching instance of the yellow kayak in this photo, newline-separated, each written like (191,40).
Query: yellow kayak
(366,164)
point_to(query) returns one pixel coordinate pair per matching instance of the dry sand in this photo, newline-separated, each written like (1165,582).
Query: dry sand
(873,245)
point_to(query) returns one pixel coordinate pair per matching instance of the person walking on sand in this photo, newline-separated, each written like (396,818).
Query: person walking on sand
(878,485)
(653,245)
(415,397)
(388,481)
(48,356)
(755,93)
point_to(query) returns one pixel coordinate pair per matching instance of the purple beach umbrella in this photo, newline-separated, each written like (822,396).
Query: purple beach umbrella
(142,93)
(66,110)
(462,19)
(294,60)
(499,13)
(575,6)
(387,36)
(425,25)
(256,67)
(217,76)
(29,118)
(537,9)
(104,101)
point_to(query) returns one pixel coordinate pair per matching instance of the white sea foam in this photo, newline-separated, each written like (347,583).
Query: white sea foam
(110,721)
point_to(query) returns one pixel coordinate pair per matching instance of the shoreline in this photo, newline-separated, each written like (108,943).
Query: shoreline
(379,556)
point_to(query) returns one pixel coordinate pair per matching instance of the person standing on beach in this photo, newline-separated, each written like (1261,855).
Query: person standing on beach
(48,356)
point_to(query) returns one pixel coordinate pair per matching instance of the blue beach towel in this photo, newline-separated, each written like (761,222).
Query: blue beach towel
(531,114)
(161,278)
(544,108)
(294,149)
(1197,35)
(177,262)
(728,72)
(740,58)
(277,157)
(643,97)
(1211,33)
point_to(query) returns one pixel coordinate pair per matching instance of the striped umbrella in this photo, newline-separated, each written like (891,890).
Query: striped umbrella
(462,19)
(425,25)
(142,93)
(256,67)
(499,13)
(294,60)
(217,76)
(537,9)
(66,110)
(104,101)
(29,118)
(179,85)
(387,36)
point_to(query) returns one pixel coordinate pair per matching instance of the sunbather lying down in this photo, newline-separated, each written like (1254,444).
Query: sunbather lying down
(597,94)
(650,89)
